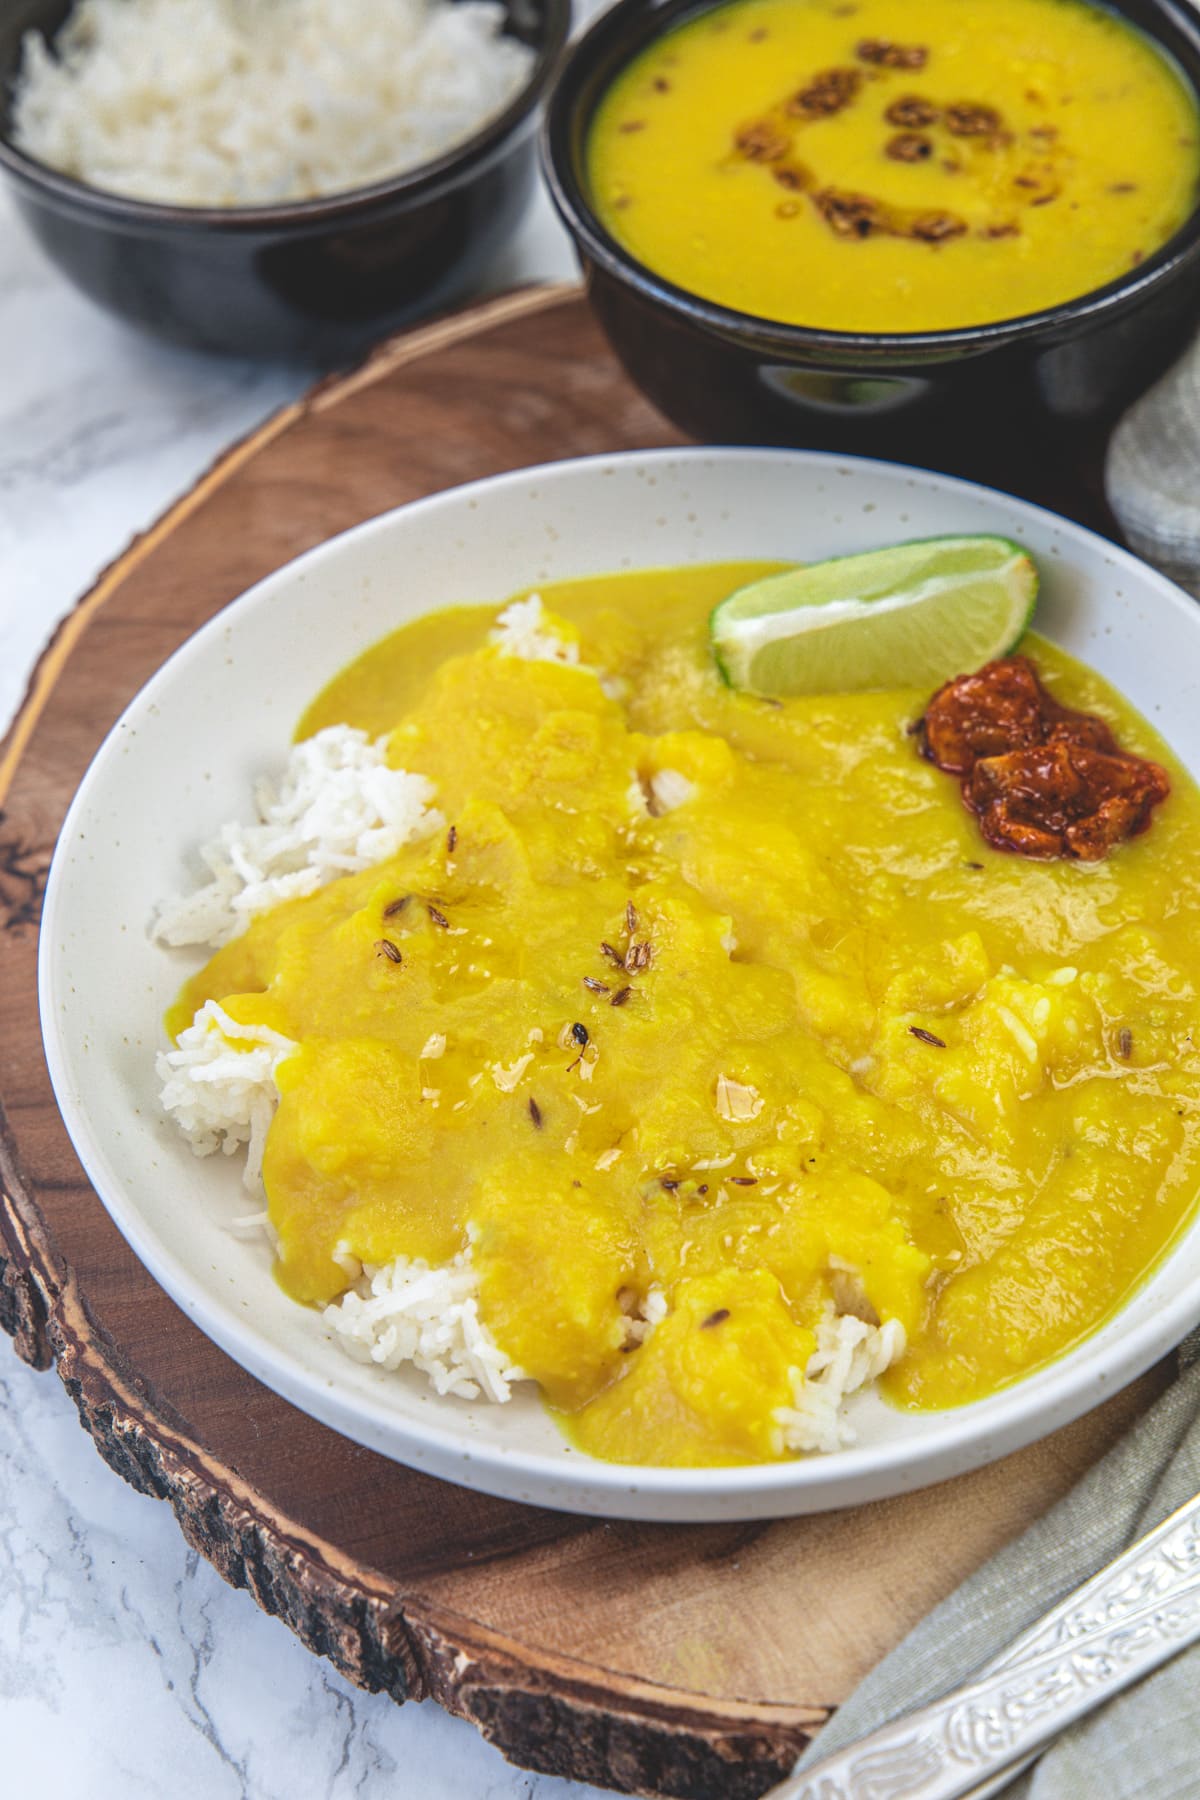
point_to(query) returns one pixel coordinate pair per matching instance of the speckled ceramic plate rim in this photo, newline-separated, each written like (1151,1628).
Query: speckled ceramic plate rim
(673,506)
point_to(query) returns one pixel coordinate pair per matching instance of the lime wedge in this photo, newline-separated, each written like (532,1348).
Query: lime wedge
(912,615)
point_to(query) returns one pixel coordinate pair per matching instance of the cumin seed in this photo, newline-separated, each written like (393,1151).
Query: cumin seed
(612,955)
(395,906)
(744,1180)
(438,917)
(597,987)
(1125,1043)
(927,1037)
(579,1033)
(385,947)
(451,840)
(535,1112)
(715,1318)
(621,996)
(630,916)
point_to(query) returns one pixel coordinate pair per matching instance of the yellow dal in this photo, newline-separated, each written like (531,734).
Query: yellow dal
(1114,180)
(999,1196)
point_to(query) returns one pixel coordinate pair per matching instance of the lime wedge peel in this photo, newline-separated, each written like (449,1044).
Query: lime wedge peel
(910,615)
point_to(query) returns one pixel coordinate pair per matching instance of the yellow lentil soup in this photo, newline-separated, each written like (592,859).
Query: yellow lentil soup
(725,1000)
(895,165)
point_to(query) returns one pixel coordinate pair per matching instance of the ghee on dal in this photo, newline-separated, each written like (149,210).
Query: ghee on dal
(994,158)
(755,1123)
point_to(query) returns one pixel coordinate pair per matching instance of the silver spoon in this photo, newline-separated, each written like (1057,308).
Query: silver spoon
(1135,1614)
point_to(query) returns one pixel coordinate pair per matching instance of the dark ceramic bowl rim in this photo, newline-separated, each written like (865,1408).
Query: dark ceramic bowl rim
(416,184)
(627,20)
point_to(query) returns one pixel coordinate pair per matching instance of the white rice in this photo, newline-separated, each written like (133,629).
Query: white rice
(406,1312)
(669,789)
(652,796)
(218,1085)
(338,809)
(523,630)
(233,103)
(850,1354)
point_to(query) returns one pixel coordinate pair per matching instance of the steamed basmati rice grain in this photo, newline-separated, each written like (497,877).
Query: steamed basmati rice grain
(218,1084)
(653,795)
(849,1356)
(523,630)
(231,103)
(406,1312)
(669,789)
(339,808)
(642,1315)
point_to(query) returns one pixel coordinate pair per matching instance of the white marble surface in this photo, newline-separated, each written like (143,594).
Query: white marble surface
(127,1668)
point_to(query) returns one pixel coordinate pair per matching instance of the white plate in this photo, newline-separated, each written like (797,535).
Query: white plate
(182,759)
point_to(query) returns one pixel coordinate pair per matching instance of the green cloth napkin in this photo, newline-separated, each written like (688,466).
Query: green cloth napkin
(1145,1744)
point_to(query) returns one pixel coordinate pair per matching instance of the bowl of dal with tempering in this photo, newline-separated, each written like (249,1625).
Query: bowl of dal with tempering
(644,1061)
(932,232)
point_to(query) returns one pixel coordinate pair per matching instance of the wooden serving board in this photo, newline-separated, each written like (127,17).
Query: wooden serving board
(689,1661)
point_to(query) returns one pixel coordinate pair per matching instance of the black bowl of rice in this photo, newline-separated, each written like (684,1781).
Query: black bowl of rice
(274,177)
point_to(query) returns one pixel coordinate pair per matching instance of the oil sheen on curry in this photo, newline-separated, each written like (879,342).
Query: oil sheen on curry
(895,165)
(739,1007)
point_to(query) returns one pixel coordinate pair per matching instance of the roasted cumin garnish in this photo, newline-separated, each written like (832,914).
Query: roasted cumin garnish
(535,1112)
(912,112)
(396,906)
(966,119)
(744,1180)
(909,147)
(848,214)
(927,1037)
(614,956)
(638,957)
(597,987)
(385,947)
(715,1318)
(760,141)
(936,227)
(630,917)
(1125,1043)
(825,94)
(438,917)
(451,840)
(882,54)
(621,996)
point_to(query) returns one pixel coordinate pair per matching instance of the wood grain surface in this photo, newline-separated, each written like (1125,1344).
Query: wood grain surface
(689,1661)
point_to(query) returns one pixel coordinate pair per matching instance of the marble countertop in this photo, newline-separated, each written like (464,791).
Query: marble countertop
(126,1665)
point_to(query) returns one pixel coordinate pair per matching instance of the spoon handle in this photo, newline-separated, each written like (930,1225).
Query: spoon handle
(1117,1627)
